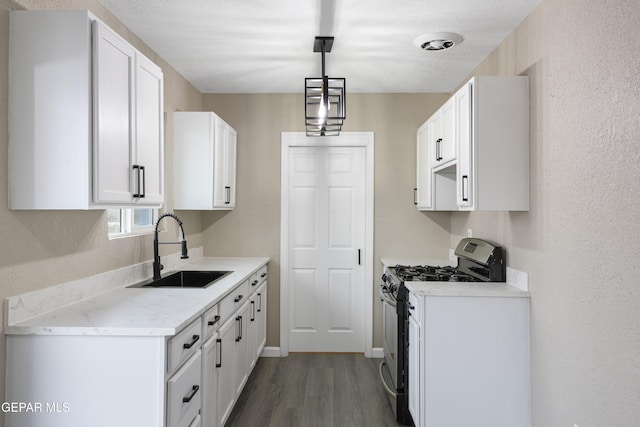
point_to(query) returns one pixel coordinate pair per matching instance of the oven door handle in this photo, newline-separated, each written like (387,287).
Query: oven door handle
(384,383)
(386,299)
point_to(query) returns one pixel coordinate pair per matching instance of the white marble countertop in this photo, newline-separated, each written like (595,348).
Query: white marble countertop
(141,311)
(465,289)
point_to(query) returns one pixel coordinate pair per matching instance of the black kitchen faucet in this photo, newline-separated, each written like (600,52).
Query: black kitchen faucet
(157,267)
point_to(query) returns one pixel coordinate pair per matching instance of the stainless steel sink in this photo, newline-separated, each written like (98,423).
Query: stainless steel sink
(185,279)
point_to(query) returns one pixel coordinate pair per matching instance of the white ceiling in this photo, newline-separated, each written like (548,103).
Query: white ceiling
(260,46)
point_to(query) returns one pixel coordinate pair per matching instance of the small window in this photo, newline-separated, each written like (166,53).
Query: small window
(131,221)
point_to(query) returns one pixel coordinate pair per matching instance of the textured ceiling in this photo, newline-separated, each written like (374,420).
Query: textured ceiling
(260,46)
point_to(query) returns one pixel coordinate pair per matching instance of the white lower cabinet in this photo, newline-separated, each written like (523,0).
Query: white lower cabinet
(257,323)
(226,367)
(192,378)
(415,359)
(242,348)
(210,359)
(184,393)
(469,361)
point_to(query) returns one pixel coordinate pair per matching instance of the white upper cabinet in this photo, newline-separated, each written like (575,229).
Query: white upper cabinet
(464,195)
(488,169)
(85,115)
(149,130)
(443,135)
(492,119)
(204,169)
(423,191)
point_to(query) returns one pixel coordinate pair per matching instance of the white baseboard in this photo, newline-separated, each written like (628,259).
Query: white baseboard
(270,352)
(377,353)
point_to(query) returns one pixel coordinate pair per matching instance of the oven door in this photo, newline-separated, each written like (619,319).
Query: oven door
(390,321)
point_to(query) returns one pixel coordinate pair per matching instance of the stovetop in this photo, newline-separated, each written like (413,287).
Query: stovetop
(398,274)
(428,273)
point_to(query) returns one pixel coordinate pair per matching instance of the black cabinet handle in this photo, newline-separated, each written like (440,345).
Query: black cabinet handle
(438,149)
(227,196)
(253,311)
(239,320)
(359,256)
(214,321)
(259,302)
(238,298)
(193,392)
(415,196)
(194,340)
(144,182)
(219,341)
(136,168)
(465,184)
(255,282)
(263,275)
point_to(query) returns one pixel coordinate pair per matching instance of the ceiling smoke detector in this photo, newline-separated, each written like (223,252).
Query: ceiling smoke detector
(437,41)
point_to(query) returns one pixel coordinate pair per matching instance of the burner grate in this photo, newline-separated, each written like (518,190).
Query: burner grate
(428,273)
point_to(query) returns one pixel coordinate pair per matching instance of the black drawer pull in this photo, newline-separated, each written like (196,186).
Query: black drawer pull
(193,392)
(219,341)
(214,321)
(194,340)
(238,298)
(263,275)
(239,336)
(255,282)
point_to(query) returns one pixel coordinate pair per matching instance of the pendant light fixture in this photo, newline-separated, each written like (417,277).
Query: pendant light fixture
(324,108)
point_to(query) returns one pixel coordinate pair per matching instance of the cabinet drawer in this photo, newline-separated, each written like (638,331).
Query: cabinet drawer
(262,274)
(415,308)
(184,395)
(257,278)
(234,300)
(210,321)
(183,344)
(254,281)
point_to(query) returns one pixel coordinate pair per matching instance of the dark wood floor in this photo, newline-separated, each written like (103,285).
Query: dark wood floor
(324,390)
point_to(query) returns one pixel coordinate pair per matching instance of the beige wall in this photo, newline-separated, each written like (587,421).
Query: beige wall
(253,228)
(581,239)
(44,248)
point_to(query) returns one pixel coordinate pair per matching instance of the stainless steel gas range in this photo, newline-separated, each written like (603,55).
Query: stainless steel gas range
(478,261)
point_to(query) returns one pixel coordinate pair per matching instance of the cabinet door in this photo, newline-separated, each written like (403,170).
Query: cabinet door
(230,167)
(257,324)
(113,62)
(226,366)
(443,144)
(220,191)
(149,133)
(414,367)
(464,191)
(448,144)
(423,196)
(183,393)
(261,319)
(210,357)
(242,347)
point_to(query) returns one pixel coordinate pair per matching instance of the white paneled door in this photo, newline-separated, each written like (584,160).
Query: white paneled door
(326,240)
